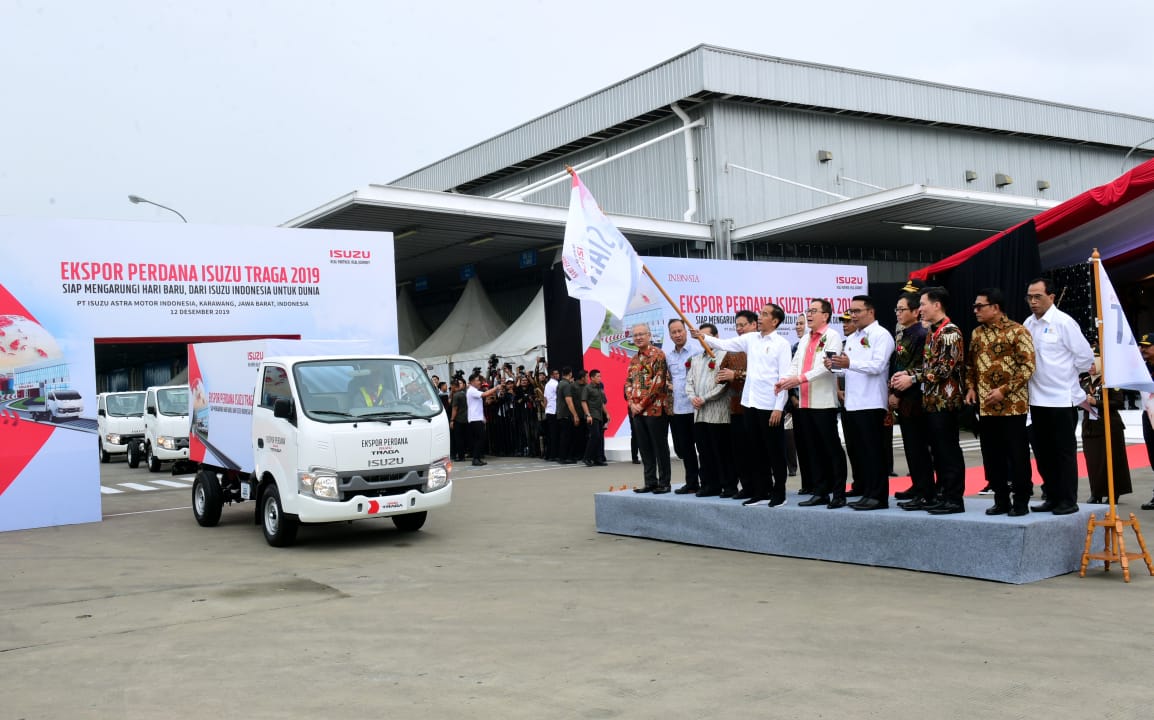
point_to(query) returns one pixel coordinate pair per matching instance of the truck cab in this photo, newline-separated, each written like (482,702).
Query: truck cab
(329,439)
(119,422)
(63,404)
(165,425)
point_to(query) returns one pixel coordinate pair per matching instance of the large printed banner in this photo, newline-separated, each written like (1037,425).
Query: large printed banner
(64,284)
(708,291)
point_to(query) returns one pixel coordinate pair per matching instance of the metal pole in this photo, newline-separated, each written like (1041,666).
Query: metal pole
(1104,410)
(788,182)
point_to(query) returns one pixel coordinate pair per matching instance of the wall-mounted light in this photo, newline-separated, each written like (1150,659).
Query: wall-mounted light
(481,240)
(1043,184)
(824,156)
(917,228)
(1002,179)
(971,175)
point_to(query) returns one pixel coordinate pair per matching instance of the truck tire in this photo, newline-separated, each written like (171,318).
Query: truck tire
(153,461)
(207,499)
(134,454)
(280,528)
(104,456)
(410,522)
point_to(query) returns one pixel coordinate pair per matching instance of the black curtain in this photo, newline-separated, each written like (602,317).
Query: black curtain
(885,297)
(562,322)
(1009,265)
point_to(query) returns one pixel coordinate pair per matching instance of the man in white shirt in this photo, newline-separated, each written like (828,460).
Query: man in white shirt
(476,402)
(681,422)
(551,440)
(866,361)
(815,418)
(1060,354)
(768,360)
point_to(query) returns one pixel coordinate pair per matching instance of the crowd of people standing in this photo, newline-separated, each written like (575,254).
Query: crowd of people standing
(732,409)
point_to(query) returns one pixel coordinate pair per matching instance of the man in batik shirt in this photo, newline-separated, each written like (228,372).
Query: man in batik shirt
(941,376)
(998,371)
(647,390)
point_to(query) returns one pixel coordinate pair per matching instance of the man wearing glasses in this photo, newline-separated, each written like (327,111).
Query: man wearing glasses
(1060,353)
(998,371)
(647,390)
(815,419)
(909,344)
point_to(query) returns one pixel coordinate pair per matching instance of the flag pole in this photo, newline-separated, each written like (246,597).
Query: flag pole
(705,346)
(1104,410)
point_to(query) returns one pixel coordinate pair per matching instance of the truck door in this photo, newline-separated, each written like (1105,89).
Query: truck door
(275,439)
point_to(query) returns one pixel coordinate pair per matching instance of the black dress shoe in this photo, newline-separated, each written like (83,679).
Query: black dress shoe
(1065,510)
(778,502)
(918,504)
(870,504)
(814,501)
(745,495)
(636,461)
(998,510)
(645,489)
(804,491)
(1018,512)
(837,502)
(708,492)
(1095,500)
(852,493)
(660,489)
(588,463)
(600,464)
(686,489)
(947,508)
(905,494)
(754,500)
(727,493)
(478,463)
(1044,507)
(1149,505)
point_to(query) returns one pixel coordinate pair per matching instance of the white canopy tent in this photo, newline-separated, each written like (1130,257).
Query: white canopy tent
(411,330)
(520,344)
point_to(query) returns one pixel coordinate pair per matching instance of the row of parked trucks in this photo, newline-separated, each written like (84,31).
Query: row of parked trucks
(305,432)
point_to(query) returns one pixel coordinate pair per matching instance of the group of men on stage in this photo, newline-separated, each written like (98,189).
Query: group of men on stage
(725,407)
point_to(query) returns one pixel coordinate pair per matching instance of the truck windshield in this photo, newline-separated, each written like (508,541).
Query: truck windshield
(126,405)
(172,401)
(344,390)
(67,395)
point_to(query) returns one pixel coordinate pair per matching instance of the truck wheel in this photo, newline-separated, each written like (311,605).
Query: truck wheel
(207,499)
(104,456)
(280,528)
(410,522)
(153,461)
(133,455)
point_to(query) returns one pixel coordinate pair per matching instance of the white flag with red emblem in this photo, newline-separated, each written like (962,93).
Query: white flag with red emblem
(599,263)
(1122,363)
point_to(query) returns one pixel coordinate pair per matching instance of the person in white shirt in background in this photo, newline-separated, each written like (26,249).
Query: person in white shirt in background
(866,362)
(1061,352)
(551,429)
(815,419)
(476,400)
(767,357)
(678,359)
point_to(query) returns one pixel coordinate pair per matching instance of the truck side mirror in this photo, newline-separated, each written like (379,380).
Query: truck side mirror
(283,408)
(151,410)
(101,412)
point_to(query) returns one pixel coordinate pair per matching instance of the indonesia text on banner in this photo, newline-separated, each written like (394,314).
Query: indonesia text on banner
(1122,363)
(599,262)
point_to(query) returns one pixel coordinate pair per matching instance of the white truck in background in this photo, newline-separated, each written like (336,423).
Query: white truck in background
(165,426)
(313,433)
(119,422)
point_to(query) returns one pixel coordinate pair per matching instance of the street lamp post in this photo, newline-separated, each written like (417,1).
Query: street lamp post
(136,200)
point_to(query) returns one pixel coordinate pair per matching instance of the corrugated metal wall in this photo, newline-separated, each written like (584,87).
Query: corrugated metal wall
(785,143)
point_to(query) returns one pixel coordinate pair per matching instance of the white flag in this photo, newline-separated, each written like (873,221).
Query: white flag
(1122,363)
(599,263)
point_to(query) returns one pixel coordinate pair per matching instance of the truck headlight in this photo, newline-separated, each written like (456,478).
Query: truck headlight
(438,475)
(113,439)
(319,482)
(167,442)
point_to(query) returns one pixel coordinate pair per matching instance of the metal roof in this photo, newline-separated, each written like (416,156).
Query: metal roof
(435,233)
(958,219)
(707,73)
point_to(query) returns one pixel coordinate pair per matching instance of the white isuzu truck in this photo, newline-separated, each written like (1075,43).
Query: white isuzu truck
(314,435)
(119,422)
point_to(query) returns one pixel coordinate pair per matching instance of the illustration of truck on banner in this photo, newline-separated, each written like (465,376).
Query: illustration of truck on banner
(314,432)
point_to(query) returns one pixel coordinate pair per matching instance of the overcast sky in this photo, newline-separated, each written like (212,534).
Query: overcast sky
(256,111)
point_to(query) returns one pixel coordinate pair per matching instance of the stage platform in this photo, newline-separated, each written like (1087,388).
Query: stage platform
(971,544)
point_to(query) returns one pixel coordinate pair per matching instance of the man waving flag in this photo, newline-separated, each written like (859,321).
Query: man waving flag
(599,263)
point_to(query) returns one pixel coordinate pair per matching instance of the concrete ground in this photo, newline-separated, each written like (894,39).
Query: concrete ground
(509,604)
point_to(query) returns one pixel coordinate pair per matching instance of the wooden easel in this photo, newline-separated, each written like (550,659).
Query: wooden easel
(1114,543)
